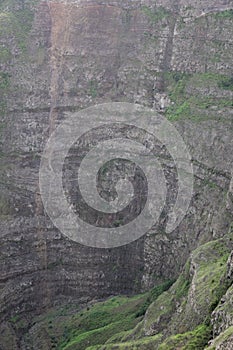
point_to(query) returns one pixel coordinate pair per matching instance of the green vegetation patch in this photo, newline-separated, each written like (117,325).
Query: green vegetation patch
(15,24)
(160,312)
(221,339)
(148,343)
(5,54)
(98,323)
(227,14)
(226,83)
(100,335)
(5,207)
(153,295)
(193,340)
(4,81)
(93,88)
(113,318)
(197,295)
(194,105)
(155,14)
(116,318)
(176,316)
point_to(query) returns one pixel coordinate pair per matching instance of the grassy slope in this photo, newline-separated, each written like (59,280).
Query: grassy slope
(171,316)
(103,320)
(178,318)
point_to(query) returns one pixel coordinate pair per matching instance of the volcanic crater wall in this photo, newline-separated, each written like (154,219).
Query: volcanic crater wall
(58,57)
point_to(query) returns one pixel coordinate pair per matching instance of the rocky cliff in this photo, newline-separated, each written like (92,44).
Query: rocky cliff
(59,57)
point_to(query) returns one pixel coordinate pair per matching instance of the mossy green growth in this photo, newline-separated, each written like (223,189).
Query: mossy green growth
(3,107)
(177,112)
(153,295)
(5,209)
(100,335)
(18,322)
(5,54)
(208,183)
(197,295)
(116,319)
(221,339)
(93,88)
(147,343)
(226,83)
(208,283)
(14,318)
(193,340)
(4,88)
(101,321)
(160,312)
(179,107)
(197,292)
(113,318)
(186,104)
(182,287)
(15,24)
(227,14)
(4,81)
(178,318)
(155,14)
(119,337)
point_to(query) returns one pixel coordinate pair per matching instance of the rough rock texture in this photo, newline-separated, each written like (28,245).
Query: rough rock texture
(202,285)
(221,318)
(179,317)
(57,57)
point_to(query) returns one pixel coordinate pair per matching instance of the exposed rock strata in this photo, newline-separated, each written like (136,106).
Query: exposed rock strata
(68,56)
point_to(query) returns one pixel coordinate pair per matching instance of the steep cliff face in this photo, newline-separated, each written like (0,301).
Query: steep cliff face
(59,57)
(195,312)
